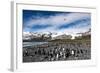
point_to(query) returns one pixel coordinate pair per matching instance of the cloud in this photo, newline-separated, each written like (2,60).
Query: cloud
(64,22)
(58,19)
(76,24)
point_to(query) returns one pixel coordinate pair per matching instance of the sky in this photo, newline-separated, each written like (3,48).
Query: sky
(54,21)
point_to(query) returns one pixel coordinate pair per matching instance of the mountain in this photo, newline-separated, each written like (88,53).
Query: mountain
(63,36)
(45,36)
(31,36)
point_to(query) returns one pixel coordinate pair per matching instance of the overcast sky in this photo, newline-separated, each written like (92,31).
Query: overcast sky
(52,21)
